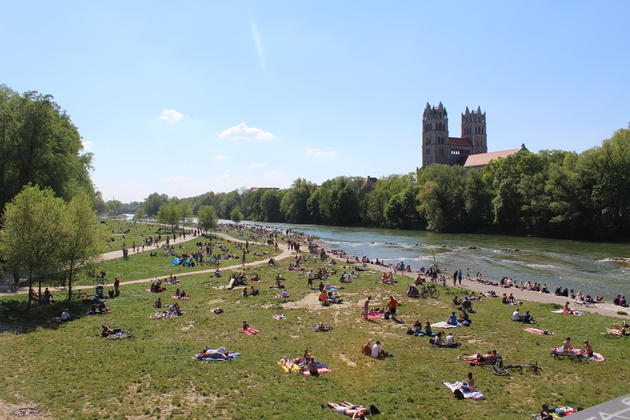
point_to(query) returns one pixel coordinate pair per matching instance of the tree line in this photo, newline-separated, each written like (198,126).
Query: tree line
(551,193)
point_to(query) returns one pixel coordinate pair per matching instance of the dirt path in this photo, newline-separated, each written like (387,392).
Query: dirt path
(285,253)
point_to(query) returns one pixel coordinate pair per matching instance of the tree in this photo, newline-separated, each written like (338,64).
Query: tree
(139,214)
(35,228)
(185,213)
(151,205)
(169,214)
(80,244)
(236,216)
(114,207)
(40,145)
(207,218)
(270,206)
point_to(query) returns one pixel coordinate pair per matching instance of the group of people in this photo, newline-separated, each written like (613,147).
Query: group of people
(374,349)
(586,350)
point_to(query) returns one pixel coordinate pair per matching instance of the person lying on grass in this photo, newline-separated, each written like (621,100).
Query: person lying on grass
(490,357)
(207,353)
(349,410)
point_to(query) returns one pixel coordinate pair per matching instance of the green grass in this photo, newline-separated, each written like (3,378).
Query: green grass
(75,374)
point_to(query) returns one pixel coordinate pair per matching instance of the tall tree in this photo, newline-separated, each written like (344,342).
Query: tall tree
(35,228)
(207,218)
(40,145)
(80,244)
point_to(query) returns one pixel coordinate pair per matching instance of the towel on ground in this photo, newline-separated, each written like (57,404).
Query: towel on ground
(444,324)
(475,395)
(561,311)
(596,357)
(249,331)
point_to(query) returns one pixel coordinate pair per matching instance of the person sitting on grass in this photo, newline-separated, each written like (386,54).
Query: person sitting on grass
(452,319)
(587,350)
(438,340)
(567,345)
(463,317)
(367,348)
(450,341)
(469,384)
(65,316)
(349,410)
(158,303)
(527,318)
(323,298)
(377,351)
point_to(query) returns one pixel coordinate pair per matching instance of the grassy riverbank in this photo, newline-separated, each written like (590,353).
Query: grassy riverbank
(72,373)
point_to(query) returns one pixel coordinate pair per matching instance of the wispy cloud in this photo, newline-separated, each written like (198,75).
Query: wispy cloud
(274,174)
(257,165)
(312,151)
(171,116)
(258,42)
(223,157)
(243,132)
(87,145)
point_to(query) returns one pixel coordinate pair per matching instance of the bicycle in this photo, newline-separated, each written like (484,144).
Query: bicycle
(121,334)
(500,369)
(429,290)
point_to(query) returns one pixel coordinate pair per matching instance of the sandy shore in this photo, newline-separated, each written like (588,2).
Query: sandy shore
(607,309)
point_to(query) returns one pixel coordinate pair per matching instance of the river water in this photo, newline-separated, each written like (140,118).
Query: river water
(573,264)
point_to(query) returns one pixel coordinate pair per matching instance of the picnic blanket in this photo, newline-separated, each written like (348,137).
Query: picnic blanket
(537,331)
(512,303)
(297,365)
(561,311)
(376,316)
(278,316)
(596,357)
(230,354)
(475,395)
(178,297)
(444,324)
(249,331)
(148,290)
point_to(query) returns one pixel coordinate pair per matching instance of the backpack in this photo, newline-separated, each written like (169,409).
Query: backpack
(458,394)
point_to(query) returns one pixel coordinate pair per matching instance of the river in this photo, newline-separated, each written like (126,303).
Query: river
(573,264)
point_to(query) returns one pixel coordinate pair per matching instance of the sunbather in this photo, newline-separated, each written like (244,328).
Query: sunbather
(207,353)
(349,410)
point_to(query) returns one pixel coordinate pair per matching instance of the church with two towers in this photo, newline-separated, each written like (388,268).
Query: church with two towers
(470,150)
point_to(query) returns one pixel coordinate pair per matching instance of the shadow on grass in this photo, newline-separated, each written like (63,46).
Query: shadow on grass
(17,317)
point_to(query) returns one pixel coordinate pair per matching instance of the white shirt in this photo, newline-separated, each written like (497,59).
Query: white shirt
(376,349)
(450,340)
(516,315)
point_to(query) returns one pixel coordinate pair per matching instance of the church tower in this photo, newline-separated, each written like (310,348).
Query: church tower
(474,130)
(435,147)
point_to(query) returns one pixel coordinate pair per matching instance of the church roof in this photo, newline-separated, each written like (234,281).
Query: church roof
(456,141)
(482,159)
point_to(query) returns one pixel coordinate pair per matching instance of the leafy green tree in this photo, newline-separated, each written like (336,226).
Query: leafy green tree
(151,205)
(401,210)
(114,207)
(185,213)
(34,233)
(139,214)
(231,201)
(294,204)
(80,246)
(270,206)
(169,214)
(235,215)
(40,145)
(207,218)
(442,197)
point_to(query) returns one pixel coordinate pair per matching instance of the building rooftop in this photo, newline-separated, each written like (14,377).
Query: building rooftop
(482,159)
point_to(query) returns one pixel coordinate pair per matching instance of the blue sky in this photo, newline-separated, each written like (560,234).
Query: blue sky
(187,97)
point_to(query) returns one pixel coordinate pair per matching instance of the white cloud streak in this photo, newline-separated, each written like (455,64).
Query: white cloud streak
(312,151)
(243,132)
(258,42)
(223,157)
(257,165)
